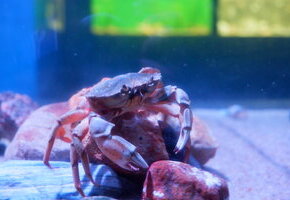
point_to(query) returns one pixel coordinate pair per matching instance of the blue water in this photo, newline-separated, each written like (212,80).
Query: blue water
(17,52)
(50,66)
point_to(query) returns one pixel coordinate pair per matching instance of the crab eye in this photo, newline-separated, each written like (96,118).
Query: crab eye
(123,93)
(151,84)
(150,87)
(125,90)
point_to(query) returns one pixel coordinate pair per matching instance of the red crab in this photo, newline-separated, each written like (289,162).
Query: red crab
(94,111)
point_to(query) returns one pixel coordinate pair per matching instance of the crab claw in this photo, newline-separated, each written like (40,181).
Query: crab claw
(123,153)
(114,147)
(137,160)
(185,130)
(182,140)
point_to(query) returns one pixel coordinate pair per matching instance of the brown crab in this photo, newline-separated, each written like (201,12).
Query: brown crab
(94,109)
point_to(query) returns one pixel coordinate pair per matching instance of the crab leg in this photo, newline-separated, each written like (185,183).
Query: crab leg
(116,148)
(79,132)
(68,118)
(61,134)
(186,119)
(186,125)
(175,102)
(77,152)
(164,100)
(74,159)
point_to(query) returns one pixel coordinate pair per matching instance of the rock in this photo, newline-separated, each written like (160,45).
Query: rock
(177,181)
(34,180)
(143,132)
(17,106)
(3,145)
(14,109)
(203,144)
(8,127)
(31,139)
(237,112)
(2,148)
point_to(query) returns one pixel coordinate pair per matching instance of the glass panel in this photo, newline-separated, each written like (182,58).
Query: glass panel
(50,14)
(254,18)
(151,17)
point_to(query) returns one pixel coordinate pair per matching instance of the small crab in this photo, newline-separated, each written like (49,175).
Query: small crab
(94,109)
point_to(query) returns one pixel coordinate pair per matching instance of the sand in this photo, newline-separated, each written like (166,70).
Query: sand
(254,153)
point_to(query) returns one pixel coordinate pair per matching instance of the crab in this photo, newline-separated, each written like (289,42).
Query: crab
(94,109)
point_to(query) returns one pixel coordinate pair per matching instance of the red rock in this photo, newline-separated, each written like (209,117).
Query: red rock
(141,129)
(203,144)
(31,138)
(143,132)
(179,181)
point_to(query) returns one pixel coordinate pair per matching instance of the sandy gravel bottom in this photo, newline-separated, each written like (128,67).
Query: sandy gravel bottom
(254,153)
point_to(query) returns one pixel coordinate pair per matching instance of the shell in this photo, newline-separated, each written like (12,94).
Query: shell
(113,86)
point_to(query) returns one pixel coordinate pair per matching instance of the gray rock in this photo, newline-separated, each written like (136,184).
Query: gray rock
(33,180)
(17,106)
(8,127)
(14,109)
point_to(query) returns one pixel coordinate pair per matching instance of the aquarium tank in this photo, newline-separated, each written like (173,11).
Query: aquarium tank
(224,99)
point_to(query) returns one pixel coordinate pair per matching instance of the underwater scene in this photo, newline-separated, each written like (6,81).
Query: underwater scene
(145,99)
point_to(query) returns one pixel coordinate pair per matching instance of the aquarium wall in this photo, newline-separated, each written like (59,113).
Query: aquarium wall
(218,50)
(18,61)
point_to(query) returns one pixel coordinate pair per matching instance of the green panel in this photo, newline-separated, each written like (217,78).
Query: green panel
(152,17)
(254,18)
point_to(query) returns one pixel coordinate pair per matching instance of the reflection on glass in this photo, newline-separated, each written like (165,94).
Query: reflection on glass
(50,14)
(55,14)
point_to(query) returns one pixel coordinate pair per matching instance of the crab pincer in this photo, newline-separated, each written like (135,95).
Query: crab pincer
(114,147)
(186,126)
